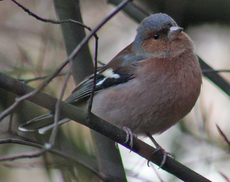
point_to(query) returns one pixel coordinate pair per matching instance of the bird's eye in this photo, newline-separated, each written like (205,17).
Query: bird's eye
(156,36)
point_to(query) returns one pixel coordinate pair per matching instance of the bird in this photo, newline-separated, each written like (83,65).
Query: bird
(147,87)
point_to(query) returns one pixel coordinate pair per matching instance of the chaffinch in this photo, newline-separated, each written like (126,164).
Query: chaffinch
(147,87)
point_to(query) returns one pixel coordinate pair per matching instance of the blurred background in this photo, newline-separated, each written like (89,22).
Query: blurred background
(30,48)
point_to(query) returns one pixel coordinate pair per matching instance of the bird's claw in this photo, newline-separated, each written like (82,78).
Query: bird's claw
(165,154)
(159,148)
(129,136)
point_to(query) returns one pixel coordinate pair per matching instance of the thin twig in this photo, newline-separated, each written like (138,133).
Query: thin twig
(49,20)
(214,71)
(11,140)
(94,78)
(224,176)
(38,78)
(223,135)
(57,107)
(23,156)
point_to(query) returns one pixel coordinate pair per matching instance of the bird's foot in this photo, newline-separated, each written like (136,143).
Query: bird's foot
(129,136)
(159,148)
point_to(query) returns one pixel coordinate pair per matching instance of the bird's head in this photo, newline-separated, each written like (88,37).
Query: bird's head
(159,36)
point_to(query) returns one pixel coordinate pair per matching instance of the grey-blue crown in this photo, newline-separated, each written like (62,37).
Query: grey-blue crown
(155,22)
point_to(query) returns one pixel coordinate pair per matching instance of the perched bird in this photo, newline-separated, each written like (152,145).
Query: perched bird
(149,86)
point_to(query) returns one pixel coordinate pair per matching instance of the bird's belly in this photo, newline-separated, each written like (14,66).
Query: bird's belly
(141,111)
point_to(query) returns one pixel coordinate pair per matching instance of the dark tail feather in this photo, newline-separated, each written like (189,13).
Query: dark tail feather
(41,123)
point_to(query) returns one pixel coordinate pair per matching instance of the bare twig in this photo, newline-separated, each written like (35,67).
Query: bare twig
(49,20)
(38,78)
(223,135)
(57,107)
(224,176)
(214,71)
(23,156)
(94,78)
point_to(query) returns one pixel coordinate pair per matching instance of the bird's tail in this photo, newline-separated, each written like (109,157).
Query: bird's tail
(41,123)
